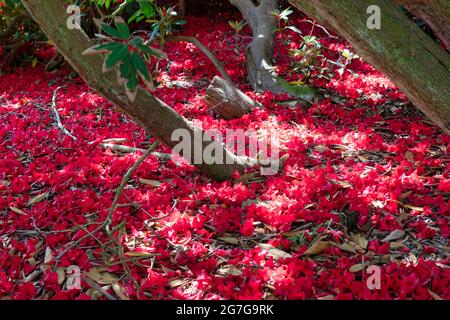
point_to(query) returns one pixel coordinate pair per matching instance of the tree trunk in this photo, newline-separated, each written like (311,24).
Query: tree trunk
(411,59)
(259,55)
(227,100)
(436,14)
(154,115)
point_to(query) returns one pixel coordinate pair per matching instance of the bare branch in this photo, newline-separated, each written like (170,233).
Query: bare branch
(206,52)
(57,117)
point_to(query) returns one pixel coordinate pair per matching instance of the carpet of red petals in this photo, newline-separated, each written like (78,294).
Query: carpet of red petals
(359,165)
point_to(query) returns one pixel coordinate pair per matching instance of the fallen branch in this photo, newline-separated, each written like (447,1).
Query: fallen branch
(124,182)
(126,149)
(57,117)
(106,224)
(100,290)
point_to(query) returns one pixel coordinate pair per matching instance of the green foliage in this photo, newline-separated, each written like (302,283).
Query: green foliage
(308,59)
(297,89)
(139,10)
(17,30)
(237,25)
(127,54)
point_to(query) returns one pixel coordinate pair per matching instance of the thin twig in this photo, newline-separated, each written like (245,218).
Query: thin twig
(107,222)
(205,51)
(57,117)
(126,149)
(95,286)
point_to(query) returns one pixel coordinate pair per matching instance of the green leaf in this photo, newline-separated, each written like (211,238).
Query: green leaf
(136,41)
(125,67)
(294,89)
(180,22)
(117,54)
(132,80)
(107,46)
(123,30)
(135,16)
(295,29)
(111,31)
(140,66)
(153,51)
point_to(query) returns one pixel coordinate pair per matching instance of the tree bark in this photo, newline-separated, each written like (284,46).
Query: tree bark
(259,55)
(411,59)
(227,100)
(436,14)
(154,115)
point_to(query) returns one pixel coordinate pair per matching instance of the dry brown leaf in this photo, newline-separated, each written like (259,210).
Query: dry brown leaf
(165,270)
(405,195)
(178,282)
(360,240)
(321,148)
(230,240)
(38,198)
(119,291)
(346,246)
(394,235)
(229,270)
(317,247)
(435,296)
(274,252)
(343,184)
(327,297)
(409,156)
(409,206)
(153,183)
(61,275)
(101,277)
(48,255)
(139,254)
(356,267)
(396,245)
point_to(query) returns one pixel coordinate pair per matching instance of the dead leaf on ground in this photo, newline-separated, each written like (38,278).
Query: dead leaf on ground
(178,282)
(360,240)
(317,247)
(356,268)
(101,277)
(394,235)
(435,296)
(343,184)
(38,198)
(48,255)
(153,183)
(119,291)
(346,246)
(409,156)
(229,270)
(327,297)
(230,240)
(274,252)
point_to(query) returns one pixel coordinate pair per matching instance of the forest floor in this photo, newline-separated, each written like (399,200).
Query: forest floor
(365,182)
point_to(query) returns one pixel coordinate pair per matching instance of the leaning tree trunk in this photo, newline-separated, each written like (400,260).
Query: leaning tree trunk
(259,55)
(436,14)
(411,59)
(154,115)
(224,98)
